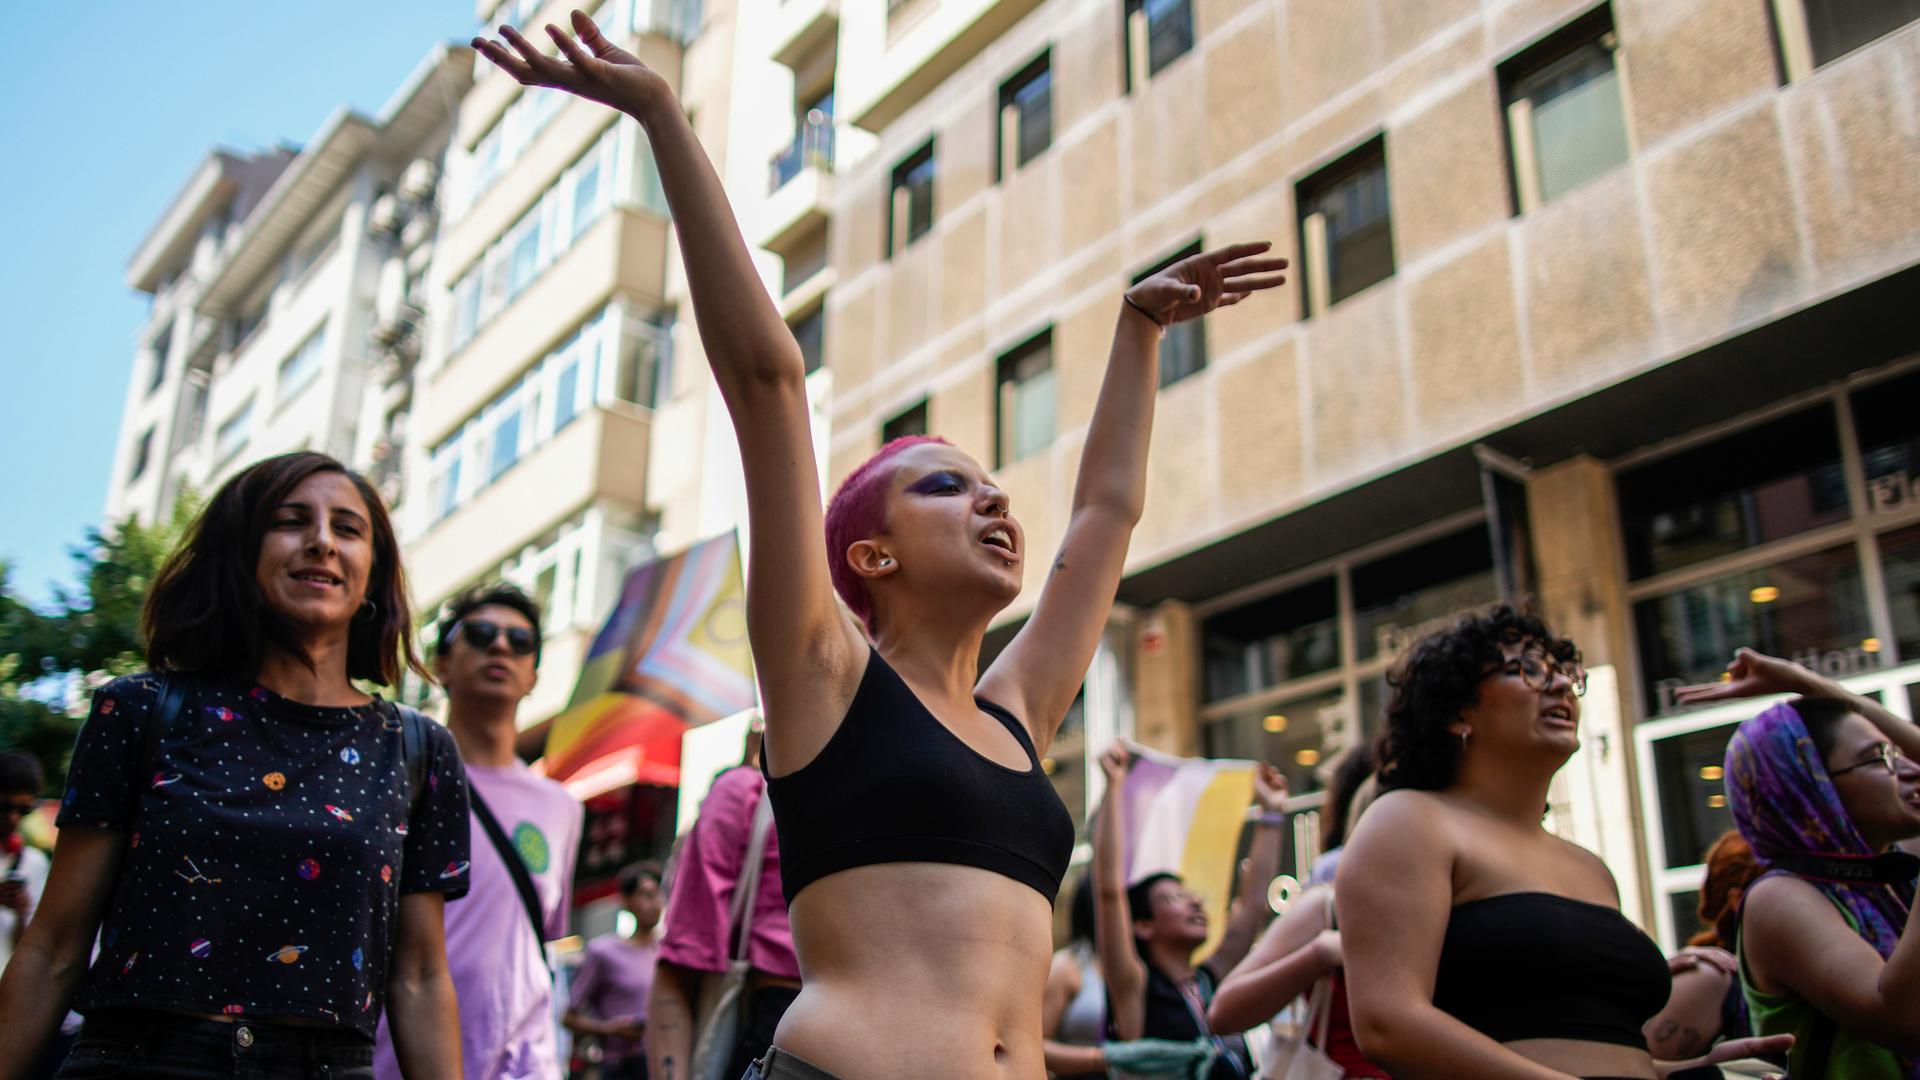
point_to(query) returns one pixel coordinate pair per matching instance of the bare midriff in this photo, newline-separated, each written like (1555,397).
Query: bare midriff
(1580,1057)
(919,969)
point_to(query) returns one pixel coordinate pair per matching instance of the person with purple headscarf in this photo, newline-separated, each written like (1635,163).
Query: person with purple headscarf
(1824,786)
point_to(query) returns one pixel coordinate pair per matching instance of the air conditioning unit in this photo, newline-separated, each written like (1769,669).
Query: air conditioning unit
(385,217)
(419,180)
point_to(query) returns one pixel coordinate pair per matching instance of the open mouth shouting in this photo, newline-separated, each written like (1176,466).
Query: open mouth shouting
(1559,715)
(1000,536)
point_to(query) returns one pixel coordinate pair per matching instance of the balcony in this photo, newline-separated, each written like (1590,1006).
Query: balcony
(602,454)
(799,186)
(802,26)
(624,252)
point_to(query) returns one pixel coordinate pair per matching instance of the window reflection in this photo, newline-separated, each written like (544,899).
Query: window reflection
(1272,640)
(1770,481)
(1812,610)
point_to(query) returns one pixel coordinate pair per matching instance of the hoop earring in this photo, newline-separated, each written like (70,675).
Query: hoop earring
(368,609)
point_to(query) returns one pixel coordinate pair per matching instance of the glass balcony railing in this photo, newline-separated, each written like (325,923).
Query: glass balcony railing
(812,146)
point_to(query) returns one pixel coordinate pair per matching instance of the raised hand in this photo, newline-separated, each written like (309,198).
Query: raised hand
(1269,788)
(1212,279)
(1114,761)
(591,67)
(1753,674)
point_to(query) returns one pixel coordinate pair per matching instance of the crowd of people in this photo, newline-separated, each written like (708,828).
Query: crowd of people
(264,870)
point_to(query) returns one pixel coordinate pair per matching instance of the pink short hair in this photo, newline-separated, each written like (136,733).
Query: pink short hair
(858,511)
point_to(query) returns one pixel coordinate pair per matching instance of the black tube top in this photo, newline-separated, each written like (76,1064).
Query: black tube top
(1534,965)
(894,785)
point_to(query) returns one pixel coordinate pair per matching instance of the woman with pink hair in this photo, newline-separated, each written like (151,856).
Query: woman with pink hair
(921,844)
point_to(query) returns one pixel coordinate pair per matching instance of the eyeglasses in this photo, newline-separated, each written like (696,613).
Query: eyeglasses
(1538,672)
(1884,754)
(480,633)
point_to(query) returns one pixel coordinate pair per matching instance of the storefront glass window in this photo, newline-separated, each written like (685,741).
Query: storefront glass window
(1774,480)
(1686,913)
(1272,640)
(1900,564)
(1811,609)
(1295,737)
(1693,802)
(1400,598)
(1889,429)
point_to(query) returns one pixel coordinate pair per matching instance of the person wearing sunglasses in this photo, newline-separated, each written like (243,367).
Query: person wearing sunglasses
(1476,942)
(1824,787)
(525,835)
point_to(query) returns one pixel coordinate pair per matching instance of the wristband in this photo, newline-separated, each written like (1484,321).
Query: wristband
(1135,305)
(1270,818)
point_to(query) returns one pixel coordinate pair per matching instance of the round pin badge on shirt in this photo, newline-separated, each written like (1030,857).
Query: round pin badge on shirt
(308,869)
(349,755)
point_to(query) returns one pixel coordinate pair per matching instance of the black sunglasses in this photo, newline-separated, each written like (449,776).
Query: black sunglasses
(480,633)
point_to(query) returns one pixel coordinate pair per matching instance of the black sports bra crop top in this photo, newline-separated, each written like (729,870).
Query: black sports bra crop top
(1534,965)
(894,785)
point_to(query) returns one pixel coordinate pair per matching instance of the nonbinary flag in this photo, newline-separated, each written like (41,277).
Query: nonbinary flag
(1184,816)
(673,655)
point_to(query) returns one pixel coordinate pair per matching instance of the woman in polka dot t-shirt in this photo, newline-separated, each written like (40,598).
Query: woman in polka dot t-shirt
(262,876)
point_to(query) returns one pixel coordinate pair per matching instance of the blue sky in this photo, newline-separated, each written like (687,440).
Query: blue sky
(108,114)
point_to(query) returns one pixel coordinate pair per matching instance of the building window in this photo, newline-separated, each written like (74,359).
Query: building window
(1275,639)
(1778,479)
(157,351)
(581,195)
(142,453)
(1816,32)
(233,432)
(910,208)
(909,422)
(1155,34)
(1183,350)
(809,331)
(1566,121)
(1889,435)
(1025,416)
(812,145)
(1026,116)
(1400,598)
(612,356)
(301,365)
(1346,226)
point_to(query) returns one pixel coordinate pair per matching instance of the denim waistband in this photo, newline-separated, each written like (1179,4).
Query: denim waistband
(171,1032)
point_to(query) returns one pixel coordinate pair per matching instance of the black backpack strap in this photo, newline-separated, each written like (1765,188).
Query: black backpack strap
(522,881)
(413,749)
(166,712)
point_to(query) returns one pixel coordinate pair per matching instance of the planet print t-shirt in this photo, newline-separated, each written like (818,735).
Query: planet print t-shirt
(268,847)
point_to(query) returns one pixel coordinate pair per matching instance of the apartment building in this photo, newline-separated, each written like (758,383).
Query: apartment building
(1604,305)
(287,293)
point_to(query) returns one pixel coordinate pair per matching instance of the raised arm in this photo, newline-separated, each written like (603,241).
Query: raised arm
(1755,674)
(1298,948)
(1120,963)
(1041,670)
(801,638)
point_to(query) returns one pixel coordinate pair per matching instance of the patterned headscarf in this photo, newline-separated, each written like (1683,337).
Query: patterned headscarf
(1784,804)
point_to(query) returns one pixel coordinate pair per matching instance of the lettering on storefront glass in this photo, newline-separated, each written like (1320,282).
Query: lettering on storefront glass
(1395,639)
(1893,492)
(1833,663)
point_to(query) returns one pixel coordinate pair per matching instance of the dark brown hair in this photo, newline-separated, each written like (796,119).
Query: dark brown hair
(1437,680)
(205,614)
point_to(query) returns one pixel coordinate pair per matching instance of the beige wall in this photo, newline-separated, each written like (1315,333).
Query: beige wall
(1742,200)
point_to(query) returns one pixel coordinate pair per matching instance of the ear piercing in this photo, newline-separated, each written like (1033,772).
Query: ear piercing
(886,562)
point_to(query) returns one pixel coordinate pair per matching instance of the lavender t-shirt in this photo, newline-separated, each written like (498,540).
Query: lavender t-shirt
(499,973)
(613,982)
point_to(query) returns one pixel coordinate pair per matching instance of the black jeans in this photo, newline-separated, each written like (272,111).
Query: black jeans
(764,1011)
(134,1045)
